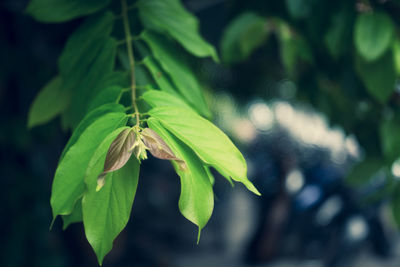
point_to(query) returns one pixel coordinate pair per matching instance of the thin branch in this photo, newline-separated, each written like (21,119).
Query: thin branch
(128,38)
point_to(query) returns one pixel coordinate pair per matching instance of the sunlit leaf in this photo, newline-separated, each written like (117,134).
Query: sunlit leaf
(106,212)
(159,76)
(197,199)
(89,119)
(157,98)
(177,66)
(68,185)
(171,17)
(210,175)
(211,145)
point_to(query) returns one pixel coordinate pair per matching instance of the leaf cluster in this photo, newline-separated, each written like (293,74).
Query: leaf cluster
(123,94)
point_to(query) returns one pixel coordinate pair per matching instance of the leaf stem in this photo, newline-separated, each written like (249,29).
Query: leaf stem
(128,38)
(133,6)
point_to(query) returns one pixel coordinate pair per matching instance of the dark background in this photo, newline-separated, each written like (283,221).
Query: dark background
(279,229)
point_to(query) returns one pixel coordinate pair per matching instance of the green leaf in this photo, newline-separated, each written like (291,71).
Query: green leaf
(108,95)
(86,64)
(63,10)
(68,185)
(157,98)
(364,170)
(373,34)
(390,139)
(159,76)
(177,66)
(82,46)
(92,83)
(171,17)
(74,217)
(143,77)
(197,199)
(49,103)
(242,36)
(379,77)
(89,119)
(73,79)
(210,175)
(211,145)
(116,78)
(106,212)
(96,162)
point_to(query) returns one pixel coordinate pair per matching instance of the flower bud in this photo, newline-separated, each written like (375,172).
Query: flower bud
(158,148)
(118,154)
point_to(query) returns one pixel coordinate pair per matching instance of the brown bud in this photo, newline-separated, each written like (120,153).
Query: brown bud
(120,151)
(117,155)
(157,147)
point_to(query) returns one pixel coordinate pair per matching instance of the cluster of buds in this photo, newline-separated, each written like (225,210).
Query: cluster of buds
(136,141)
(139,148)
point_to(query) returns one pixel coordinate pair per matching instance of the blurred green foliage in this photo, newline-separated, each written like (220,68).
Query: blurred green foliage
(314,43)
(342,55)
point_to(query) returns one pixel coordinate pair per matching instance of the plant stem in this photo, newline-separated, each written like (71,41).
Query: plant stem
(128,38)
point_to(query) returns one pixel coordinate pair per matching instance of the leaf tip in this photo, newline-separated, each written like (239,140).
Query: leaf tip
(215,57)
(65,226)
(101,180)
(31,121)
(255,191)
(98,187)
(198,236)
(100,259)
(52,223)
(249,185)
